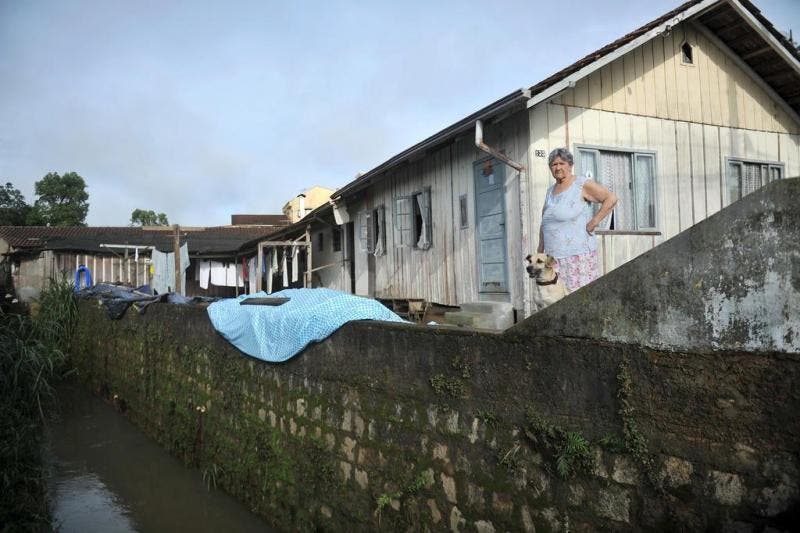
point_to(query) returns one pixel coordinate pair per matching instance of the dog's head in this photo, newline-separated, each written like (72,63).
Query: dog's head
(538,263)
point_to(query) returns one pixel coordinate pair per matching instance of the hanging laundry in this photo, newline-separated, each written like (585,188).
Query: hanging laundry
(218,272)
(239,280)
(285,269)
(295,264)
(273,266)
(230,274)
(204,269)
(252,269)
(163,265)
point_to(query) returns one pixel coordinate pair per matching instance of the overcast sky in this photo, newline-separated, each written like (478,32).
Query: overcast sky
(203,109)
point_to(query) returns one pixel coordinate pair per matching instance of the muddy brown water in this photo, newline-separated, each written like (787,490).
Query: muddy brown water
(106,476)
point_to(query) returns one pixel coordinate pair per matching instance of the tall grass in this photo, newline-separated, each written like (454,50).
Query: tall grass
(32,356)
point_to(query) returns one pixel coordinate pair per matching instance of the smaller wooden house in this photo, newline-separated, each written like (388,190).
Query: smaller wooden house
(33,255)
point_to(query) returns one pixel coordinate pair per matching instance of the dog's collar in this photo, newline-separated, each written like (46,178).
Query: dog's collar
(551,282)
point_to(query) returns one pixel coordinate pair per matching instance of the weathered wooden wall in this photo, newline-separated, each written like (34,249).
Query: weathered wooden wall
(447,272)
(35,272)
(653,81)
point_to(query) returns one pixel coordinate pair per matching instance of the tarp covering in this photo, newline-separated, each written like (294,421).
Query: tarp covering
(117,298)
(275,334)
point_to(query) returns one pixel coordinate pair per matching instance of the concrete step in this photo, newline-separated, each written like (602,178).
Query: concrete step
(482,315)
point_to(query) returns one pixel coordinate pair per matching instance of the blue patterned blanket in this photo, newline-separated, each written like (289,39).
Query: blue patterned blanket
(277,333)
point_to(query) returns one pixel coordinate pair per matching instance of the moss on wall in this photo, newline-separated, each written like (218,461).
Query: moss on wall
(390,426)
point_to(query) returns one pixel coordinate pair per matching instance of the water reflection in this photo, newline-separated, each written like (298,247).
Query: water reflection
(108,477)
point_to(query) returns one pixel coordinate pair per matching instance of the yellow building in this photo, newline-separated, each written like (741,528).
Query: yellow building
(302,204)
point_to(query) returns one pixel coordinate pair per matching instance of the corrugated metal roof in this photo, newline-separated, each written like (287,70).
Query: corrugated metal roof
(201,241)
(259,220)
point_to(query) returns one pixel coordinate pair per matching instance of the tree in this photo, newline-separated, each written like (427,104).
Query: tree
(13,208)
(140,217)
(63,201)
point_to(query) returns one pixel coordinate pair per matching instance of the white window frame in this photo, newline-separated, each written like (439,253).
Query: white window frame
(368,220)
(633,153)
(766,166)
(405,223)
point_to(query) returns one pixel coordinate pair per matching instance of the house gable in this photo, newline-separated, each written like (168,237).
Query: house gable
(654,80)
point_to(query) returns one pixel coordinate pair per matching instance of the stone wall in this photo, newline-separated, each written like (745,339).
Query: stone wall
(395,427)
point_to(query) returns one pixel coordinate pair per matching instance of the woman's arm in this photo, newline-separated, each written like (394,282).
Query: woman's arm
(594,192)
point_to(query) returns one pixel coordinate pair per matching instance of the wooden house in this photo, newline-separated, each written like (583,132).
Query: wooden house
(680,118)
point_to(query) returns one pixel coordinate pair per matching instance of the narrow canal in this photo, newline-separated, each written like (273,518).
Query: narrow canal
(108,477)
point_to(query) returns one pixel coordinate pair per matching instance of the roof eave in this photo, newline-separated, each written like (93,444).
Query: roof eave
(493,109)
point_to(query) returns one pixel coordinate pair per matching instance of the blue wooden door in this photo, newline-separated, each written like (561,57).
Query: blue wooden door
(490,209)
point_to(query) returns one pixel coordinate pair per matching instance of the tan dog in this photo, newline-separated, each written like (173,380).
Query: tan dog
(549,288)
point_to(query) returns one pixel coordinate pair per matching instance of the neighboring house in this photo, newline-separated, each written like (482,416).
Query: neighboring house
(33,255)
(680,118)
(305,202)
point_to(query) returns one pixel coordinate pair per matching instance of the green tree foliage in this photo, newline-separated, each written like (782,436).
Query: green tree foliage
(141,217)
(13,208)
(62,201)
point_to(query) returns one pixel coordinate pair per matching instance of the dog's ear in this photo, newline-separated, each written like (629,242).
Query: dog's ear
(551,261)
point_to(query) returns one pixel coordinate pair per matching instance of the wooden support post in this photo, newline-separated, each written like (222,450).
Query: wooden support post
(127,267)
(176,246)
(309,252)
(260,267)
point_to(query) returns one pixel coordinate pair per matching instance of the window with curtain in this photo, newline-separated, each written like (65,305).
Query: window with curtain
(412,220)
(632,177)
(379,231)
(744,177)
(422,219)
(365,231)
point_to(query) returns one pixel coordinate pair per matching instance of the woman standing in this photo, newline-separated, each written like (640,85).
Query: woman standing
(567,229)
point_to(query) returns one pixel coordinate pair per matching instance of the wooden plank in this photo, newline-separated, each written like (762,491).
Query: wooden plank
(630,90)
(713,167)
(618,85)
(607,86)
(595,90)
(789,148)
(582,93)
(668,190)
(701,56)
(717,95)
(591,127)
(671,93)
(648,79)
(693,78)
(682,80)
(698,172)
(741,109)
(639,91)
(725,150)
(684,175)
(659,79)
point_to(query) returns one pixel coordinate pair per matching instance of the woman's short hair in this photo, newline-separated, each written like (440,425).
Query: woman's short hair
(563,153)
